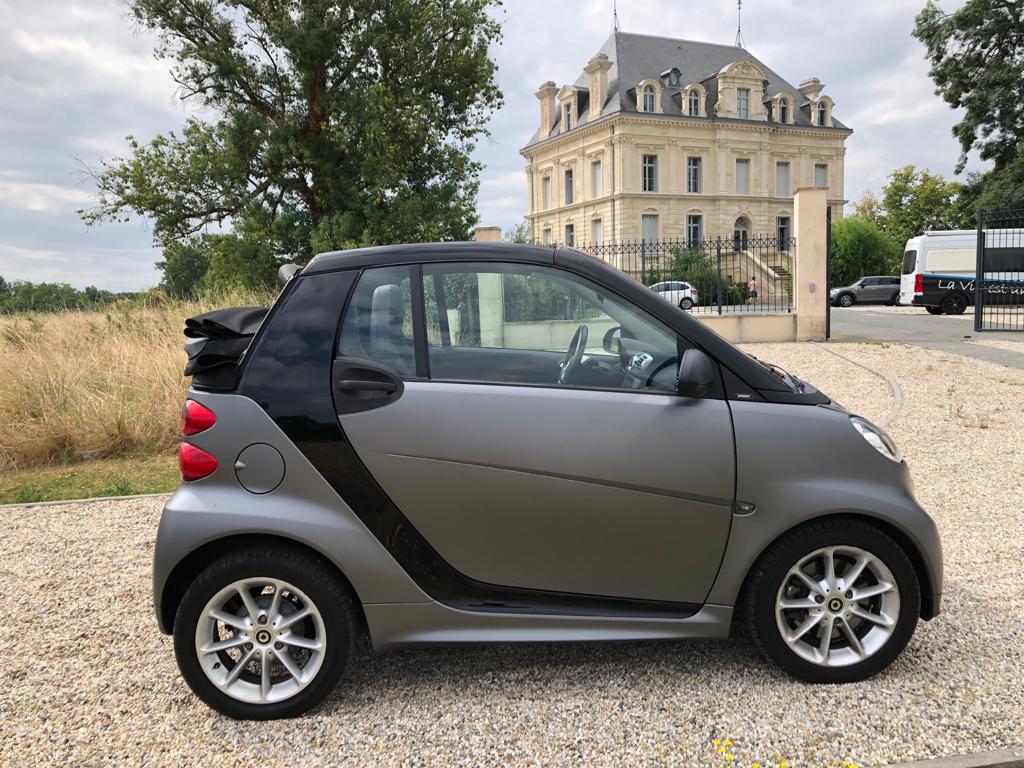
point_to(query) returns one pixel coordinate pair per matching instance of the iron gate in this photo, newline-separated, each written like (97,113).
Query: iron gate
(725,275)
(999,276)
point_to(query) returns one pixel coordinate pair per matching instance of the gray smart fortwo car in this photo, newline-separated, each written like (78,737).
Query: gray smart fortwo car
(478,443)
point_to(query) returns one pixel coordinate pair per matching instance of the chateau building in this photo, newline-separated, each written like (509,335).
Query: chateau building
(673,139)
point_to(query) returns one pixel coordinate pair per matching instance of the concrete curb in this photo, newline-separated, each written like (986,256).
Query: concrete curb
(894,387)
(1002,758)
(80,501)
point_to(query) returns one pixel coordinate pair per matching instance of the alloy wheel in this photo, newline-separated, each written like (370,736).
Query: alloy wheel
(837,606)
(260,640)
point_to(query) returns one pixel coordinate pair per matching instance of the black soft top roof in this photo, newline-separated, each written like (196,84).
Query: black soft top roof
(744,366)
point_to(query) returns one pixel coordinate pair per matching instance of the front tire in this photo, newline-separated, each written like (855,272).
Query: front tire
(954,304)
(846,300)
(934,310)
(834,601)
(265,632)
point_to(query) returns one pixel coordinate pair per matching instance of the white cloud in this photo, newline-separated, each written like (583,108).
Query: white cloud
(34,196)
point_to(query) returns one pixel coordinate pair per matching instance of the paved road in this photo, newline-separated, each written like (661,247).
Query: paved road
(912,325)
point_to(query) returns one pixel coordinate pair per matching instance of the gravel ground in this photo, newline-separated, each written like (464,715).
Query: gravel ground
(89,680)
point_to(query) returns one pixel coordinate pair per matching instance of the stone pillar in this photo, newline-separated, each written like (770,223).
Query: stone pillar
(487,234)
(810,293)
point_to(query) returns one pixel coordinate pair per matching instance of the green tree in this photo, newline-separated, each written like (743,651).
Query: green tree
(860,247)
(333,123)
(916,201)
(977,63)
(869,207)
(519,233)
(184,264)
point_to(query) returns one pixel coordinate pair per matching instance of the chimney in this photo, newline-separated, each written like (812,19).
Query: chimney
(546,95)
(811,88)
(598,68)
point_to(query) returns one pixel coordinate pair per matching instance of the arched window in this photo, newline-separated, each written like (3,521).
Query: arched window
(822,114)
(784,110)
(648,98)
(694,99)
(740,234)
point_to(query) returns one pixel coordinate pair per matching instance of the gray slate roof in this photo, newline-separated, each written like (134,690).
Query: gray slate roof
(640,57)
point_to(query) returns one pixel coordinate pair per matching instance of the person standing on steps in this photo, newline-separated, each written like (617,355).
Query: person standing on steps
(752,289)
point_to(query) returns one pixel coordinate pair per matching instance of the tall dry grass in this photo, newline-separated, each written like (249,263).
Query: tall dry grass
(79,385)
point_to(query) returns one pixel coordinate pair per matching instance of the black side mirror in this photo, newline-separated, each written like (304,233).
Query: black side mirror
(696,374)
(612,342)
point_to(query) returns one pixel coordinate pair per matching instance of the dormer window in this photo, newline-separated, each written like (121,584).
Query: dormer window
(567,116)
(822,115)
(648,98)
(743,103)
(783,111)
(671,77)
(693,100)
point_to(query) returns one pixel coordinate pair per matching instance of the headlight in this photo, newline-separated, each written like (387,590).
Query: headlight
(833,292)
(876,438)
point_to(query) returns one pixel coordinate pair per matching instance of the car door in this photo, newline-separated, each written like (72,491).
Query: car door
(604,484)
(873,290)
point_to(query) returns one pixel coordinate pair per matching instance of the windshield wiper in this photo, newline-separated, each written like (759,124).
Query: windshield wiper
(792,381)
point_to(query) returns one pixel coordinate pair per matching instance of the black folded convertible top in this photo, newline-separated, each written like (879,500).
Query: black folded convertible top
(215,343)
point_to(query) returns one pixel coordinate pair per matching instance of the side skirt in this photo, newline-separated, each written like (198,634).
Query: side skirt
(403,625)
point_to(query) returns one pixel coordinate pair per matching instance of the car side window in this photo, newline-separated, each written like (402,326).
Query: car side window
(520,324)
(378,320)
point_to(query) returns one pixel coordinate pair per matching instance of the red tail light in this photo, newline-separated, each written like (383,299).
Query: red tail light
(918,283)
(196,418)
(195,463)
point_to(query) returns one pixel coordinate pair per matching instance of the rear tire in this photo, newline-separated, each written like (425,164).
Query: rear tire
(287,665)
(864,634)
(954,304)
(894,300)
(934,310)
(686,304)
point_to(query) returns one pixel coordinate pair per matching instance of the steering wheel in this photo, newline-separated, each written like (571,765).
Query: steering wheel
(571,362)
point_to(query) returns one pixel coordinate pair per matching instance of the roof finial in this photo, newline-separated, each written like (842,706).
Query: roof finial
(615,16)
(739,24)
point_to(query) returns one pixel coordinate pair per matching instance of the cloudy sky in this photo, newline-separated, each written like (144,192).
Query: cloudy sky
(76,77)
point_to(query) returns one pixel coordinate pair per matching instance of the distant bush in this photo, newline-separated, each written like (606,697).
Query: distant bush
(23,296)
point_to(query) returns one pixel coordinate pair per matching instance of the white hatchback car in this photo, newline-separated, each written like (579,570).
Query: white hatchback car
(680,293)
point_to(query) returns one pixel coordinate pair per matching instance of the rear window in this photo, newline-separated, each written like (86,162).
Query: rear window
(909,262)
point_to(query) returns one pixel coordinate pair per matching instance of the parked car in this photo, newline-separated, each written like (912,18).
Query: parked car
(401,447)
(680,293)
(867,290)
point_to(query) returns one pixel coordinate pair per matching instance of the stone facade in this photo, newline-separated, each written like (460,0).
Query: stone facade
(644,143)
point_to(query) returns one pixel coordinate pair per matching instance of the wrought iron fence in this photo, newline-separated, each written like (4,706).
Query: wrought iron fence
(721,275)
(999,276)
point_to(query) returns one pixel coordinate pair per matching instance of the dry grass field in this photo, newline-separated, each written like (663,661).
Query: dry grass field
(79,386)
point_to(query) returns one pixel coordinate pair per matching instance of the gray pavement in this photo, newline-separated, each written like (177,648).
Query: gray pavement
(913,325)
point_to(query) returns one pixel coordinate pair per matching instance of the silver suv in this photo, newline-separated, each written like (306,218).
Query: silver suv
(466,443)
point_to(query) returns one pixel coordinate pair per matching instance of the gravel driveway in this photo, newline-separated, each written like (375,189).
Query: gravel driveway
(88,680)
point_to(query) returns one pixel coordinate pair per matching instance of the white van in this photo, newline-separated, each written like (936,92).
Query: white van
(939,269)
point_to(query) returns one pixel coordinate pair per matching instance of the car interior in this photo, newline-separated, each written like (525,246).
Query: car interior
(636,353)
